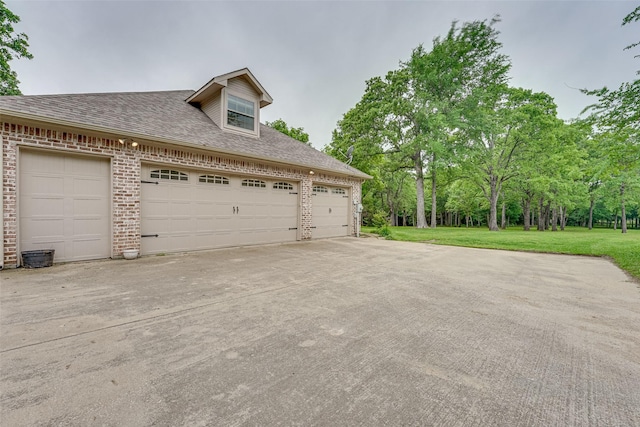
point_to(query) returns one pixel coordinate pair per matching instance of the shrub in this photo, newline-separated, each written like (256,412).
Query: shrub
(384,231)
(379,220)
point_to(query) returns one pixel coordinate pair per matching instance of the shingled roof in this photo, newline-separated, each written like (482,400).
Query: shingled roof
(167,117)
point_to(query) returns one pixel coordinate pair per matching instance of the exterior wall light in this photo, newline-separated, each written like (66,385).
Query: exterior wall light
(134,144)
(311,172)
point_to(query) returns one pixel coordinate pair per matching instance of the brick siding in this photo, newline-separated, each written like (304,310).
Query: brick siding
(126,164)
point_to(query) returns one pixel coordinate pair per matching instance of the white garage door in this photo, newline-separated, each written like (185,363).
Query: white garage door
(330,211)
(186,210)
(64,205)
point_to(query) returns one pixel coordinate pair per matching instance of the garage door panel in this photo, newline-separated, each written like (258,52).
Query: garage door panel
(179,193)
(42,207)
(330,213)
(42,230)
(64,205)
(86,187)
(205,225)
(180,226)
(41,184)
(78,166)
(178,208)
(89,248)
(282,223)
(42,163)
(86,226)
(150,225)
(90,206)
(212,211)
(222,210)
(225,224)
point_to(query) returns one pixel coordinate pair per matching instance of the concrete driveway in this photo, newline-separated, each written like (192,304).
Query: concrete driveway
(336,332)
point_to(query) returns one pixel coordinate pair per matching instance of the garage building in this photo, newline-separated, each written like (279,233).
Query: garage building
(91,175)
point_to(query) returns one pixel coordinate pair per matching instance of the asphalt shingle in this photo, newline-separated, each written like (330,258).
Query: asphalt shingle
(166,116)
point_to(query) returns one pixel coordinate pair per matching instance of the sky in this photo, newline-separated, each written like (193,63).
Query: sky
(313,57)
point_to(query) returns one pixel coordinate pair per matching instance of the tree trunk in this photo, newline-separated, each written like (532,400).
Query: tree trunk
(615,223)
(623,213)
(503,220)
(434,205)
(554,218)
(393,217)
(563,217)
(541,214)
(527,214)
(547,215)
(493,204)
(591,214)
(421,220)
(533,217)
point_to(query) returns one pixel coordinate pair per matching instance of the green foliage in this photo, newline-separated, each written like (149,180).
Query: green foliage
(384,231)
(615,120)
(624,249)
(448,121)
(405,119)
(12,46)
(379,220)
(500,134)
(295,133)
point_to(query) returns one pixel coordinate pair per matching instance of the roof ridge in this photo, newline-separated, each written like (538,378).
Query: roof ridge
(51,95)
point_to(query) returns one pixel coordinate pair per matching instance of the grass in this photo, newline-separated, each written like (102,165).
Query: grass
(623,249)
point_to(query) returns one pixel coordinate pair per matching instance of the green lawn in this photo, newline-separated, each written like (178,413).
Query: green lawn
(623,249)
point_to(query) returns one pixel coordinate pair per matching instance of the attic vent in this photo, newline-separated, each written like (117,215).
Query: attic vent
(169,174)
(337,191)
(214,179)
(282,186)
(320,189)
(253,183)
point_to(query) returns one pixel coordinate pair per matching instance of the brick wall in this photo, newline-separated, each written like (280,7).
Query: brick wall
(126,168)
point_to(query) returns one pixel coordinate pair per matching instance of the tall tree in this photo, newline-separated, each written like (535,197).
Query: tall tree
(12,46)
(412,111)
(295,133)
(442,81)
(498,131)
(616,116)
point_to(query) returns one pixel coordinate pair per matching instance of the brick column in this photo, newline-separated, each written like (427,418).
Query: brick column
(126,201)
(306,188)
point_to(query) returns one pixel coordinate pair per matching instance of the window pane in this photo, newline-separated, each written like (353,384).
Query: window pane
(239,120)
(240,112)
(240,105)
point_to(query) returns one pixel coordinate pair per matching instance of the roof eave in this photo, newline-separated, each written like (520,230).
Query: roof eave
(120,133)
(217,83)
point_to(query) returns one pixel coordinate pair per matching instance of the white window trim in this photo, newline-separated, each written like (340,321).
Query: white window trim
(320,189)
(256,115)
(168,173)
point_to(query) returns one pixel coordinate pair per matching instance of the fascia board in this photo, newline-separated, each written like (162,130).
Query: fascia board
(119,133)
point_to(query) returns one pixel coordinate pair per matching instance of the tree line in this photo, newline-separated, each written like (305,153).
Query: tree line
(446,127)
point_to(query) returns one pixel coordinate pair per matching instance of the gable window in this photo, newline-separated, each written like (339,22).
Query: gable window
(320,189)
(214,179)
(240,112)
(337,191)
(282,186)
(169,174)
(253,183)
